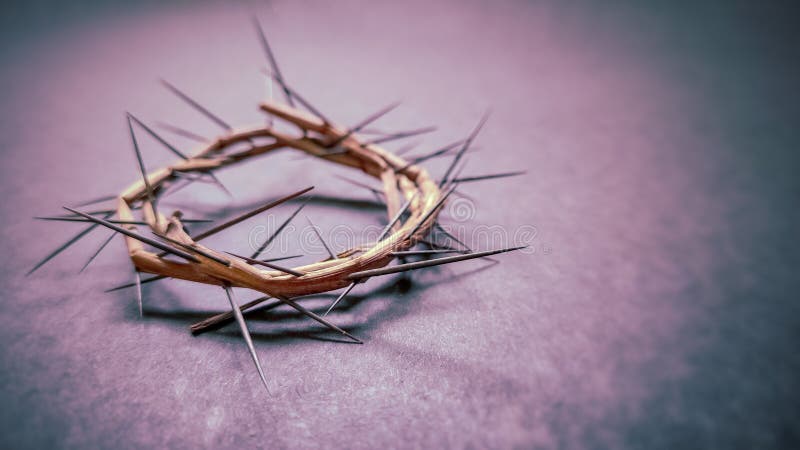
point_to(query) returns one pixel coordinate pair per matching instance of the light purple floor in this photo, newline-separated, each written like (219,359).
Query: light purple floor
(658,308)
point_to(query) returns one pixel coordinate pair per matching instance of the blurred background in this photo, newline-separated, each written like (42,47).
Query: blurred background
(656,307)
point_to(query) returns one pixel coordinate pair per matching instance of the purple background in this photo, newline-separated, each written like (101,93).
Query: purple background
(658,310)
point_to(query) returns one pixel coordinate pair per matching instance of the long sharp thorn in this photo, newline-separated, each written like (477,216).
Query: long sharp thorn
(182,132)
(300,99)
(139,292)
(145,281)
(451,236)
(219,320)
(272,61)
(79,219)
(427,263)
(246,334)
(375,116)
(199,251)
(306,104)
(136,236)
(432,210)
(150,197)
(250,214)
(434,154)
(282,258)
(64,246)
(197,106)
(268,264)
(401,135)
(464,148)
(121,222)
(161,140)
(100,211)
(177,152)
(372,118)
(488,177)
(319,236)
(97,252)
(341,296)
(425,252)
(397,215)
(279,230)
(457,173)
(316,317)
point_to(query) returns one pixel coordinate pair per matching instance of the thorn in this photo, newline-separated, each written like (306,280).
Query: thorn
(279,230)
(373,117)
(151,198)
(432,210)
(306,104)
(82,220)
(194,249)
(268,264)
(136,236)
(488,177)
(282,258)
(401,135)
(449,235)
(434,154)
(426,252)
(119,222)
(99,211)
(182,132)
(245,334)
(272,61)
(319,319)
(145,281)
(161,140)
(139,292)
(397,215)
(219,320)
(97,252)
(457,172)
(64,246)
(177,152)
(427,263)
(250,214)
(341,296)
(202,110)
(464,148)
(319,236)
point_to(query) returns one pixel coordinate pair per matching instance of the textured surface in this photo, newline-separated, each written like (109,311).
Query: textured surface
(658,310)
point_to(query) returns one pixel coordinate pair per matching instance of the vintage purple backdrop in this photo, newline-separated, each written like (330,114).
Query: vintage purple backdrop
(658,309)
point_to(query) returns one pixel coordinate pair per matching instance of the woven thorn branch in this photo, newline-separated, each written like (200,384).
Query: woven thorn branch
(413,202)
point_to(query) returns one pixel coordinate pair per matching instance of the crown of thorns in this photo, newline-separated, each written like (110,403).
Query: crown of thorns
(412,197)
